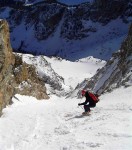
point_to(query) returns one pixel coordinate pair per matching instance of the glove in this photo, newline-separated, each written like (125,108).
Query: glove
(79,104)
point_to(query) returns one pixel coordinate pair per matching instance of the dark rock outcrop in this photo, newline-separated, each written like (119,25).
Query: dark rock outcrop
(7,61)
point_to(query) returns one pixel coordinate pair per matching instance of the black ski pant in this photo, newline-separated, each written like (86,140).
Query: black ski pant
(87,107)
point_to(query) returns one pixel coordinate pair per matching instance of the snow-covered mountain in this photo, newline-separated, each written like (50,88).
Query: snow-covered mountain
(118,70)
(44,70)
(55,29)
(27,74)
(29,124)
(116,73)
(58,73)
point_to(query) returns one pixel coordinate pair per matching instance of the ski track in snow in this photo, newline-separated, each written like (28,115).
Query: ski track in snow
(57,124)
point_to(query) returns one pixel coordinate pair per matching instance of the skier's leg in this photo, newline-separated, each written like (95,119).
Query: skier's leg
(86,108)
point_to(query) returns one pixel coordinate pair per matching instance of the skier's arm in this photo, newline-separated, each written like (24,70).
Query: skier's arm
(84,103)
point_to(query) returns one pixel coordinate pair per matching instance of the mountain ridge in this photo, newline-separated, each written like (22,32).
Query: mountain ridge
(116,73)
(65,31)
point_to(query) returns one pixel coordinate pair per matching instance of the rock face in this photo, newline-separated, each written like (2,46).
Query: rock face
(27,80)
(7,61)
(45,72)
(15,76)
(117,72)
(61,30)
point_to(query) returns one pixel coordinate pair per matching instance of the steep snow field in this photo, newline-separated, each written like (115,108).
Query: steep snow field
(53,69)
(75,72)
(57,124)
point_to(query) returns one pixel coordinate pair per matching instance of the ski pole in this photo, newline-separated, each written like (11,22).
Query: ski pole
(80,106)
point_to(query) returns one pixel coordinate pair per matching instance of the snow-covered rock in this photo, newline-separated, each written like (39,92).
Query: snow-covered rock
(88,29)
(117,71)
(44,70)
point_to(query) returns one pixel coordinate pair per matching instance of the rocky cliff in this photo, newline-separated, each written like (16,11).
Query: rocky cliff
(117,72)
(61,30)
(7,61)
(15,76)
(27,81)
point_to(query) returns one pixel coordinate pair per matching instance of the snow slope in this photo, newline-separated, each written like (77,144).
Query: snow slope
(57,124)
(75,72)
(61,74)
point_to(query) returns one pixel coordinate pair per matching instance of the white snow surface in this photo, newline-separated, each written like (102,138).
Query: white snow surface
(75,72)
(57,123)
(72,72)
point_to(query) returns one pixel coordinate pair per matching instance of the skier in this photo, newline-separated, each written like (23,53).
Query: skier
(89,102)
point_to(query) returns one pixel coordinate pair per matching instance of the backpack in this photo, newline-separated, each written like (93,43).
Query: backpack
(95,97)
